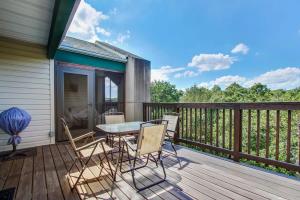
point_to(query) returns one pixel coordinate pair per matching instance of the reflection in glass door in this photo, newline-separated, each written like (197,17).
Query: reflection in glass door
(76,103)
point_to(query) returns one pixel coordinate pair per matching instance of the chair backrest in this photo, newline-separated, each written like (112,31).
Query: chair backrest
(68,133)
(114,118)
(151,137)
(172,119)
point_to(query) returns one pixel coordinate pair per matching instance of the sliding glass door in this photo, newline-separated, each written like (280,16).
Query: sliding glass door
(75,101)
(84,96)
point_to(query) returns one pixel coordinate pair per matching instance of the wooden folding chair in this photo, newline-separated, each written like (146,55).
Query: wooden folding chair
(84,153)
(149,141)
(172,119)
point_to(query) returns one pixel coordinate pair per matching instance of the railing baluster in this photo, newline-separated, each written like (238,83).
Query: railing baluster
(288,145)
(258,133)
(298,142)
(186,123)
(277,134)
(217,127)
(191,123)
(267,133)
(182,121)
(200,125)
(230,129)
(195,125)
(205,125)
(249,132)
(223,129)
(211,127)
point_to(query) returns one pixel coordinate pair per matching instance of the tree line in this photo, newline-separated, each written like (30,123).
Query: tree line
(163,91)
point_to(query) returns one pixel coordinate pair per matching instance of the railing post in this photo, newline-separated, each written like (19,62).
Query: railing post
(144,112)
(176,136)
(237,146)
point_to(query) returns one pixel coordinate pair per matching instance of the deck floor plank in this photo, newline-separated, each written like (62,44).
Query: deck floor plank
(200,176)
(39,190)
(14,175)
(25,182)
(53,186)
(4,171)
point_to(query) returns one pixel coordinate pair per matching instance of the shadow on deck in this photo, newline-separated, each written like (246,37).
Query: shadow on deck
(199,176)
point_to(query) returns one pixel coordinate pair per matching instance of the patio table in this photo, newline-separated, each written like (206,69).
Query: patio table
(120,129)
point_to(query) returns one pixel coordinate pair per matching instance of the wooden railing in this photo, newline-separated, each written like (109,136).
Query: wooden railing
(267,133)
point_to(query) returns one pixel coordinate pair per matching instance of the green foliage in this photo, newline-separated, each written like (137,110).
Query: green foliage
(162,91)
(236,93)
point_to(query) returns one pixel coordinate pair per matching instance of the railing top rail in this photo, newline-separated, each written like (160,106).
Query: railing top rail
(254,105)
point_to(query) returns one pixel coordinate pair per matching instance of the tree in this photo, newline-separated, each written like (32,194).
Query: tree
(235,93)
(163,91)
(196,94)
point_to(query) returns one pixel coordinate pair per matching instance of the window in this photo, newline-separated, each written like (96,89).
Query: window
(111,91)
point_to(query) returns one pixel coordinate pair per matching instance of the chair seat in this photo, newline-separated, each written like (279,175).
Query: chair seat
(99,150)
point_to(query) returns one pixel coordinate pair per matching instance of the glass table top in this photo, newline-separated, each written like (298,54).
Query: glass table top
(120,128)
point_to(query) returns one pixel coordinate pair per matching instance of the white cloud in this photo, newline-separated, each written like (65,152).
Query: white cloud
(163,73)
(211,62)
(103,31)
(187,73)
(223,81)
(283,78)
(86,22)
(240,48)
(122,37)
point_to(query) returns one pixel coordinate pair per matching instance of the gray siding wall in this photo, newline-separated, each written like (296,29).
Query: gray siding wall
(26,81)
(137,87)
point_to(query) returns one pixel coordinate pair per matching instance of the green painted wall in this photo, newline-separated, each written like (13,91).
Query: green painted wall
(76,58)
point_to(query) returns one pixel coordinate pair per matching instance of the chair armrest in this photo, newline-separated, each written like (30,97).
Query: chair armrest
(90,144)
(129,144)
(90,134)
(170,131)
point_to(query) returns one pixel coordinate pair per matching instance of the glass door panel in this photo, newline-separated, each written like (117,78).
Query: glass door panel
(76,103)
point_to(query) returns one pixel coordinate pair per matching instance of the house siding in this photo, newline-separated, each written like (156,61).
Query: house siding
(26,81)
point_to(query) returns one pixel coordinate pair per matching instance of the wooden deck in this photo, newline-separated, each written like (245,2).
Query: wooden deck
(200,177)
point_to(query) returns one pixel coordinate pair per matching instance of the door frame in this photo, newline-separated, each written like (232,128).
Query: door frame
(60,70)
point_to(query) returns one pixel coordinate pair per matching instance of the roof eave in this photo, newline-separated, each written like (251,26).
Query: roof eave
(65,48)
(64,11)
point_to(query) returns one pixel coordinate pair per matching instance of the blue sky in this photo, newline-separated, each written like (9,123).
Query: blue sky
(203,42)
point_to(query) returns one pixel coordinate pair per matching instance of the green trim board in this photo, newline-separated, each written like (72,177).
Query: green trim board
(63,13)
(81,59)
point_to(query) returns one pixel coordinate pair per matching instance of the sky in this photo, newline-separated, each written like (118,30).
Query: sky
(201,42)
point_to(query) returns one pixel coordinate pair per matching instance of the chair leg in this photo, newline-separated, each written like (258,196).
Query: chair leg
(129,160)
(173,147)
(154,159)
(83,168)
(109,165)
(155,183)
(72,165)
(130,165)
